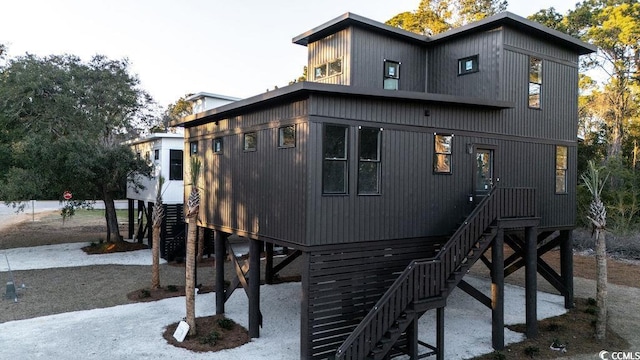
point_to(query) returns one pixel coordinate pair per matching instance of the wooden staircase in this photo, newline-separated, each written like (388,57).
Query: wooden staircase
(425,284)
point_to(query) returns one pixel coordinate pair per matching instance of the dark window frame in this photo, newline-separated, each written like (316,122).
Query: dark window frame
(364,160)
(439,153)
(389,76)
(475,65)
(176,164)
(247,147)
(217,150)
(535,81)
(328,161)
(561,170)
(193,147)
(156,154)
(281,135)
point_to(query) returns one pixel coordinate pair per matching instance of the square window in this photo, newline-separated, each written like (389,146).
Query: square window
(534,95)
(335,67)
(217,146)
(320,71)
(287,136)
(468,65)
(442,154)
(250,141)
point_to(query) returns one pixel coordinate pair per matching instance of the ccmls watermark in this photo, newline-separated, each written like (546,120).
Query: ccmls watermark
(619,355)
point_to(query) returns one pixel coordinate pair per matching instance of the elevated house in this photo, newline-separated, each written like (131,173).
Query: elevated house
(398,164)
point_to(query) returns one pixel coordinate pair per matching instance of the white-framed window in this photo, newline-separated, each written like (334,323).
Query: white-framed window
(561,169)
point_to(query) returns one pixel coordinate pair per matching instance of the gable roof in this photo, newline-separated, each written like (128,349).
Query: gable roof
(492,22)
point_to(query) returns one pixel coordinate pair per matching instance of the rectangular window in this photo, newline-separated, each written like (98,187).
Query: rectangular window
(391,75)
(335,159)
(369,161)
(561,169)
(250,141)
(194,147)
(156,154)
(442,154)
(335,67)
(217,146)
(320,71)
(535,82)
(175,164)
(287,136)
(468,65)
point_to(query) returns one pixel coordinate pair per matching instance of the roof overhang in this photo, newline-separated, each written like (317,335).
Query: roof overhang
(303,90)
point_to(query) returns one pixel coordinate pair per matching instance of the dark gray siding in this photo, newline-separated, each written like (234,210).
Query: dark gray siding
(414,201)
(443,59)
(520,40)
(369,50)
(333,47)
(260,193)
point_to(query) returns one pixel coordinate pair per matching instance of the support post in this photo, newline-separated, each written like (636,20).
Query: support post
(219,241)
(305,332)
(268,269)
(412,340)
(440,333)
(132,219)
(497,291)
(566,266)
(149,222)
(254,288)
(531,271)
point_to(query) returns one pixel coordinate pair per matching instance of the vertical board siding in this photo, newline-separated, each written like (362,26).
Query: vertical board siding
(524,41)
(328,49)
(368,52)
(443,75)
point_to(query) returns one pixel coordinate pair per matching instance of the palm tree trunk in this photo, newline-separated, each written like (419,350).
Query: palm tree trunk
(190,281)
(601,284)
(155,252)
(200,254)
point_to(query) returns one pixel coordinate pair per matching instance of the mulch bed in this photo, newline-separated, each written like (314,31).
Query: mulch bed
(113,247)
(210,335)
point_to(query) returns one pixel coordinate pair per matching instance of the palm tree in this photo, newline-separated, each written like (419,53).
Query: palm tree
(157,217)
(598,216)
(193,207)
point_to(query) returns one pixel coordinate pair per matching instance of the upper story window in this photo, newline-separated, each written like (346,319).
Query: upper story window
(391,75)
(217,146)
(335,159)
(250,141)
(468,65)
(561,169)
(287,136)
(330,68)
(369,160)
(175,164)
(535,82)
(156,154)
(442,154)
(194,147)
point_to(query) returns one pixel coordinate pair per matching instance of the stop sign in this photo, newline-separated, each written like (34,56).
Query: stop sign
(67,195)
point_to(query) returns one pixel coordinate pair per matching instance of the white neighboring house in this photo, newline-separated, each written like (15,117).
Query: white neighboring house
(204,101)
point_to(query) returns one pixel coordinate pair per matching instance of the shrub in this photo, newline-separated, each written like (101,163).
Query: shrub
(592,302)
(497,355)
(553,327)
(226,324)
(172,288)
(532,351)
(144,293)
(591,310)
(211,338)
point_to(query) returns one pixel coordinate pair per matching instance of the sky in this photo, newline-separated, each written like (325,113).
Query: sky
(238,48)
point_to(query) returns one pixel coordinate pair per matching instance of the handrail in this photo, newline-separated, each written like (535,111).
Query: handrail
(448,259)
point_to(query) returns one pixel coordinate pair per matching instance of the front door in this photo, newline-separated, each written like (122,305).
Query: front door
(483,175)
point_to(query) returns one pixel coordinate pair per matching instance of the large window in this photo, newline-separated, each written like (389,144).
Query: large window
(442,154)
(369,161)
(330,68)
(535,82)
(561,169)
(175,164)
(335,159)
(391,76)
(468,65)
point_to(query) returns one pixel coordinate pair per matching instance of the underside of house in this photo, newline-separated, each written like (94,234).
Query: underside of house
(388,186)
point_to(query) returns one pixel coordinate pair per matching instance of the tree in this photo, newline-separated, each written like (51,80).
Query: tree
(63,122)
(157,218)
(594,182)
(175,111)
(193,208)
(437,16)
